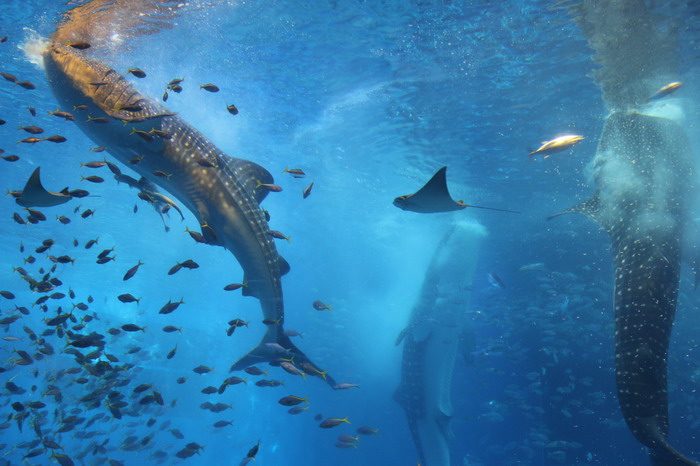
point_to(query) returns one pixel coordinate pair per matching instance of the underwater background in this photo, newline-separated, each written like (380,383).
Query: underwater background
(369,98)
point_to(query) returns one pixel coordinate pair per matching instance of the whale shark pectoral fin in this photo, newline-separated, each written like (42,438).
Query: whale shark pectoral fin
(444,422)
(402,335)
(590,208)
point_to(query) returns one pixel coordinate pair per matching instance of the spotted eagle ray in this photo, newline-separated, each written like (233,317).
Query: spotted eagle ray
(223,192)
(432,340)
(35,195)
(434,197)
(642,172)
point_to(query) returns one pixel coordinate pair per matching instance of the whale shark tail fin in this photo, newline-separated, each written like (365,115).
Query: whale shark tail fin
(649,432)
(276,345)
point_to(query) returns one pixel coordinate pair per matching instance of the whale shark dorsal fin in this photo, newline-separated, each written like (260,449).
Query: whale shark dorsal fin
(590,208)
(284,265)
(250,174)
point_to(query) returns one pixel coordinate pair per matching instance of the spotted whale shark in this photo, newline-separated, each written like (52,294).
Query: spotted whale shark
(642,173)
(222,192)
(435,335)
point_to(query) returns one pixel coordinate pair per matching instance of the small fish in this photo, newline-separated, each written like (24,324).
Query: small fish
(95,164)
(345,386)
(145,135)
(9,77)
(129,108)
(320,306)
(62,114)
(92,179)
(210,87)
(495,281)
(292,369)
(664,91)
(63,219)
(203,370)
(234,286)
(276,234)
(270,187)
(219,424)
(252,370)
(91,243)
(101,120)
(29,141)
(307,191)
(139,73)
(297,409)
(99,149)
(165,96)
(56,139)
(232,109)
(79,45)
(132,328)
(162,174)
(171,329)
(332,422)
(198,237)
(32,129)
(132,271)
(556,145)
(128,298)
(10,158)
(135,160)
(171,354)
(176,88)
(366,430)
(175,82)
(292,400)
(87,213)
(100,83)
(295,172)
(32,111)
(203,162)
(26,84)
(80,107)
(170,306)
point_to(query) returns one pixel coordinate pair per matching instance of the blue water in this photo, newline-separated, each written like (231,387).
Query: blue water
(369,99)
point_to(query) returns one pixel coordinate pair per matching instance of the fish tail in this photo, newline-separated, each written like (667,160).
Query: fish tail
(263,353)
(661,453)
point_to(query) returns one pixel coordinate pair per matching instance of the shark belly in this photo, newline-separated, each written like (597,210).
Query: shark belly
(432,340)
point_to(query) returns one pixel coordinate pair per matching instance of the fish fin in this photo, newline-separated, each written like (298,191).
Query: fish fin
(250,173)
(444,421)
(65,191)
(434,195)
(283,265)
(263,353)
(34,183)
(402,335)
(590,208)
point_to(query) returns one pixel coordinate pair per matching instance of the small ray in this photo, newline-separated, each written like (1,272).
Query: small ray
(434,197)
(35,195)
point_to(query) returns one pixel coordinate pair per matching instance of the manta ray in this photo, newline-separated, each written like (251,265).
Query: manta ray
(35,195)
(434,197)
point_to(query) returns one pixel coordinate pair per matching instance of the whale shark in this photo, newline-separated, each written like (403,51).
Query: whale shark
(224,193)
(434,336)
(642,173)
